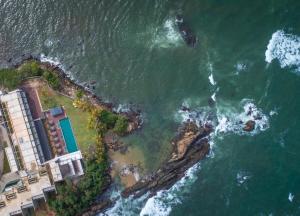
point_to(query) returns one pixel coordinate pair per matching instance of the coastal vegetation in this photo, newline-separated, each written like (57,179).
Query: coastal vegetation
(72,199)
(11,78)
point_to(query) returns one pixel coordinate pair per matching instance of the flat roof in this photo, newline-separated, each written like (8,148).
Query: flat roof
(25,198)
(39,126)
(23,134)
(56,111)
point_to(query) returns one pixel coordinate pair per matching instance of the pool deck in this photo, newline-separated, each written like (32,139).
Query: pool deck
(56,120)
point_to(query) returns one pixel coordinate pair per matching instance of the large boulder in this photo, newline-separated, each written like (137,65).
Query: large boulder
(249,126)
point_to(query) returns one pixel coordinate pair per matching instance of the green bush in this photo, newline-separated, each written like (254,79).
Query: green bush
(121,125)
(79,94)
(108,118)
(9,78)
(52,79)
(30,69)
(12,78)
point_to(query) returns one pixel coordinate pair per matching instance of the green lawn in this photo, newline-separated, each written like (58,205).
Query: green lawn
(79,119)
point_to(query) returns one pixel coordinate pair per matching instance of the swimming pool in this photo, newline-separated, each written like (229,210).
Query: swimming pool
(68,135)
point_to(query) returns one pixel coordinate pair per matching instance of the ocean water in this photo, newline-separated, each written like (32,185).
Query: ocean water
(247,58)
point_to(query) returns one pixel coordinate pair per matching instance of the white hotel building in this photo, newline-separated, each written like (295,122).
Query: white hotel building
(32,173)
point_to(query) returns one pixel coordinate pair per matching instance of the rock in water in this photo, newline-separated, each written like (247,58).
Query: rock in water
(185,32)
(249,126)
(190,147)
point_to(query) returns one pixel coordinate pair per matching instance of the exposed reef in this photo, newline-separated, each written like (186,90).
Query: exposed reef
(190,146)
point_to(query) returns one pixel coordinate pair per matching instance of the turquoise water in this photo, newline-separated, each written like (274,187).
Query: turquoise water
(68,135)
(248,53)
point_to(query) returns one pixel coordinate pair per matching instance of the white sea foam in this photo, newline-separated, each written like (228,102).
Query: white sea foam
(274,112)
(122,108)
(200,116)
(162,203)
(167,36)
(240,67)
(211,79)
(242,177)
(213,97)
(172,34)
(55,62)
(285,48)
(233,121)
(48,43)
(226,118)
(291,197)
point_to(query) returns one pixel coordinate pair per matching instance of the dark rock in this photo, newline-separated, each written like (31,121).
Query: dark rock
(249,126)
(99,207)
(185,109)
(257,117)
(211,102)
(249,111)
(174,169)
(185,31)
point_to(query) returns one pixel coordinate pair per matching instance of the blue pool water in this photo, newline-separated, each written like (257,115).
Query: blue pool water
(68,135)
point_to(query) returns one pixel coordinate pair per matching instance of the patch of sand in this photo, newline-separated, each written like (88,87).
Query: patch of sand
(133,156)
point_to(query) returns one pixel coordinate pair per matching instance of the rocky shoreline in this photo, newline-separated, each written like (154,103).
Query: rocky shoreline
(190,145)
(71,86)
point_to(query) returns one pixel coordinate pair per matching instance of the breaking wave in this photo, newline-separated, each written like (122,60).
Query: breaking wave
(211,79)
(226,118)
(285,48)
(121,108)
(159,205)
(232,120)
(55,62)
(167,36)
(162,203)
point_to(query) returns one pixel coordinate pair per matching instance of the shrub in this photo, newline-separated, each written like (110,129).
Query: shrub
(52,79)
(108,118)
(121,125)
(12,78)
(9,78)
(79,94)
(30,69)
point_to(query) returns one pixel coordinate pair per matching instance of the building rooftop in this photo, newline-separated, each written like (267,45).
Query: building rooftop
(21,126)
(56,111)
(36,151)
